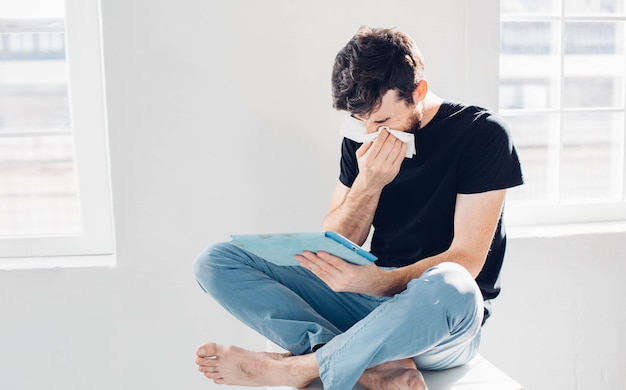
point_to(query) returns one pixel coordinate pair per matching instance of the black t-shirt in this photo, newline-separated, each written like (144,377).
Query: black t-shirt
(462,150)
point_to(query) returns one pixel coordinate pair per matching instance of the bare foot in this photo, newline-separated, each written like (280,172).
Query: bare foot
(236,366)
(397,375)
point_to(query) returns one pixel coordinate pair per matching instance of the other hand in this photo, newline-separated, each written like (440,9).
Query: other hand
(342,276)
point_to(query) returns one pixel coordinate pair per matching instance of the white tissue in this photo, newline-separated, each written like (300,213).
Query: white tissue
(356,131)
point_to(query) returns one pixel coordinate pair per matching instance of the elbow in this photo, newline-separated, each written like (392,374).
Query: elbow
(475,265)
(475,269)
(473,261)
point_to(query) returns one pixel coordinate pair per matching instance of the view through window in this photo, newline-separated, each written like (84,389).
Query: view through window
(38,184)
(55,192)
(562,77)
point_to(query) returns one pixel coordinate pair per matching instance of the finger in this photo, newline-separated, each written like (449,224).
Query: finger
(392,148)
(331,260)
(381,141)
(331,264)
(375,145)
(363,149)
(401,155)
(310,261)
(309,256)
(321,260)
(397,153)
(386,146)
(304,262)
(323,265)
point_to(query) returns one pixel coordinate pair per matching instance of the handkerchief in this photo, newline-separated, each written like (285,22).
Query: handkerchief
(355,130)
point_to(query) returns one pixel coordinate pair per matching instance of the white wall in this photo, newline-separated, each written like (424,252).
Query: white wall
(221,122)
(559,322)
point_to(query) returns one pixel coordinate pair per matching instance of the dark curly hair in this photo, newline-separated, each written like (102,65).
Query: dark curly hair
(373,62)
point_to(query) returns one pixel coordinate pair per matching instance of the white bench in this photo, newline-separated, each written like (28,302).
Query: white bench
(478,374)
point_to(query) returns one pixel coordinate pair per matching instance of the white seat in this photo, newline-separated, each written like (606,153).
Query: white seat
(478,374)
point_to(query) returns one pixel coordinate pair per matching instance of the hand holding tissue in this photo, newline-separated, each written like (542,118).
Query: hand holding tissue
(356,131)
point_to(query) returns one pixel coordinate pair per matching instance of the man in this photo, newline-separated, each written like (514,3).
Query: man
(437,233)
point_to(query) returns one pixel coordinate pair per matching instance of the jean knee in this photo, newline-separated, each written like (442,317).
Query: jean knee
(211,263)
(452,278)
(451,284)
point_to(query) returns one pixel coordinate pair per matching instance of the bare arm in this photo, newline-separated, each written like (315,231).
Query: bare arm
(475,220)
(352,208)
(351,213)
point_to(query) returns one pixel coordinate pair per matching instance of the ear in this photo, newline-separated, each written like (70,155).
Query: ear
(420,91)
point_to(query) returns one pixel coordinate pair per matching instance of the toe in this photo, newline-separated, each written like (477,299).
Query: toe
(206,350)
(205,361)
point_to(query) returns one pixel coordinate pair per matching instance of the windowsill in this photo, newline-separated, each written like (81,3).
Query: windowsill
(563,230)
(27,263)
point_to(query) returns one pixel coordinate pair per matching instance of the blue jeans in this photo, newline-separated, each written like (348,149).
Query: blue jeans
(436,321)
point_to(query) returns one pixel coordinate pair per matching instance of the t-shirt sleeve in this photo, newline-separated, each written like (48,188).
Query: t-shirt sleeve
(488,160)
(349,166)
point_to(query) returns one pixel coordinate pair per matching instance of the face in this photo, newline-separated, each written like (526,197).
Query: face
(394,113)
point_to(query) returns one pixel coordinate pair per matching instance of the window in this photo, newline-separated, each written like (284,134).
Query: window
(562,87)
(55,197)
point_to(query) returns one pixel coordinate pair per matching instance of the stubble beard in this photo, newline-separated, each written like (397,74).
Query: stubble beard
(415,122)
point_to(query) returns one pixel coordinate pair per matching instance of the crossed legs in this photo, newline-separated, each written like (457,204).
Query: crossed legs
(436,320)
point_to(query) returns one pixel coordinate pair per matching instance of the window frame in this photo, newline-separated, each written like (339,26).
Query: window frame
(87,104)
(534,213)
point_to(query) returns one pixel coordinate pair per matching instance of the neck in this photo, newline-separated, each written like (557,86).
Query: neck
(430,106)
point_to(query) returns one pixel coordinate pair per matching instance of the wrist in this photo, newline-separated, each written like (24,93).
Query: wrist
(394,281)
(386,285)
(366,188)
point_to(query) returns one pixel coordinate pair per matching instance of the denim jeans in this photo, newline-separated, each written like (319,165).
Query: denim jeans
(436,321)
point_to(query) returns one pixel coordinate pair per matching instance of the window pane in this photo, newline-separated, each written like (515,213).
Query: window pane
(590,92)
(528,93)
(536,139)
(593,7)
(529,6)
(594,65)
(33,46)
(33,83)
(529,38)
(593,37)
(33,108)
(530,62)
(591,159)
(32,9)
(38,192)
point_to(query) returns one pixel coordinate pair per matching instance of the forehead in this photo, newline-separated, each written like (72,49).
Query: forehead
(390,100)
(389,104)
